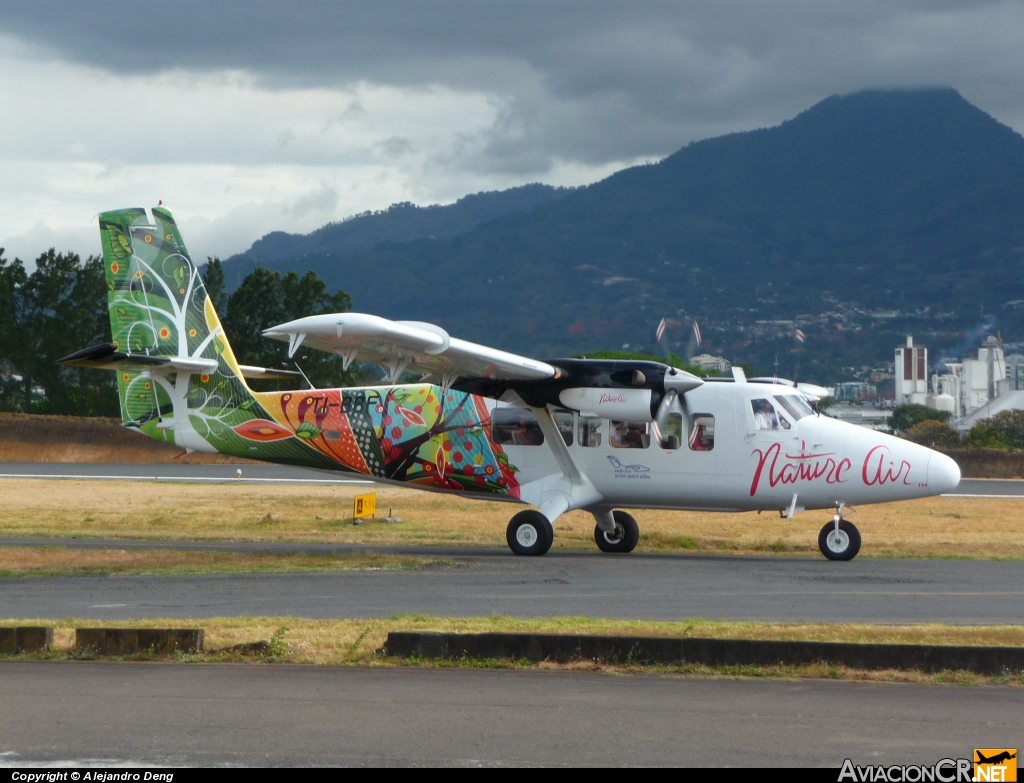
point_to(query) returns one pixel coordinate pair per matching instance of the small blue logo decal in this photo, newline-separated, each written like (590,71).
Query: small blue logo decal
(629,471)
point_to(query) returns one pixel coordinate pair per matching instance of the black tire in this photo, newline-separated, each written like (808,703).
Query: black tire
(625,537)
(846,547)
(529,533)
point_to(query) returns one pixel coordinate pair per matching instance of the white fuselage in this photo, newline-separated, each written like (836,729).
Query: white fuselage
(750,465)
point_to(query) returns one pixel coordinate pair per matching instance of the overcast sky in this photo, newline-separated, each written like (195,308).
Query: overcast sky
(248,117)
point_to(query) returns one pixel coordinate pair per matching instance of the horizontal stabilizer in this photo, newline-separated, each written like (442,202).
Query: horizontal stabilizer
(406,345)
(268,373)
(106,357)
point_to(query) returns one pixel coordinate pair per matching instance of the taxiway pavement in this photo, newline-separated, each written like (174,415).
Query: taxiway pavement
(149,713)
(269,474)
(479,583)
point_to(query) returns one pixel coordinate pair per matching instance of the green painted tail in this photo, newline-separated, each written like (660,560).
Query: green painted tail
(159,308)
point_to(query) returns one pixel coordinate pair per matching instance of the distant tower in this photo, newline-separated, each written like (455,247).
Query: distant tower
(911,374)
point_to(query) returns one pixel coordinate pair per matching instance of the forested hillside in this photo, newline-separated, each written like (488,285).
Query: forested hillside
(399,223)
(865,217)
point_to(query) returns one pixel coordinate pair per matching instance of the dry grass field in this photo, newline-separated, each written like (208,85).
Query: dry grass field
(356,642)
(31,437)
(987,528)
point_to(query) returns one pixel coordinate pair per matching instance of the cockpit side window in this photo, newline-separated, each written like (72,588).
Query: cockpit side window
(766,417)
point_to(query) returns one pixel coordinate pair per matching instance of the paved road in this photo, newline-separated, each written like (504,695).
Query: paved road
(655,586)
(286,474)
(294,715)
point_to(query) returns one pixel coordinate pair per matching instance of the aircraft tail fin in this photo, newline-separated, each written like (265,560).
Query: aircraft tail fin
(168,347)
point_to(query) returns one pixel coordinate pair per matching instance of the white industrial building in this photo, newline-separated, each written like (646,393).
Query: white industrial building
(969,390)
(911,374)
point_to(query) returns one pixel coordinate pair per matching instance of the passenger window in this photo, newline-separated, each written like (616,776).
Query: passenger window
(765,417)
(702,432)
(515,427)
(629,435)
(671,435)
(564,422)
(795,405)
(590,431)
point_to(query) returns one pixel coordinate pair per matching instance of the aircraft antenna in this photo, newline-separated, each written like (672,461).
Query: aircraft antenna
(310,385)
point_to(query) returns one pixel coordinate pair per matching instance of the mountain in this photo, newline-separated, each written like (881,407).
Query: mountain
(866,217)
(399,223)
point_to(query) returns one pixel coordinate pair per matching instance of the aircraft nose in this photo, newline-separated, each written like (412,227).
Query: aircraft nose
(943,473)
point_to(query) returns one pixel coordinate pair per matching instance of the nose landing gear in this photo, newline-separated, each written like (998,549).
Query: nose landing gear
(840,538)
(624,536)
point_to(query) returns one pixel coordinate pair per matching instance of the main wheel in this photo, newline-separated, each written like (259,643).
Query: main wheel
(623,539)
(843,544)
(529,533)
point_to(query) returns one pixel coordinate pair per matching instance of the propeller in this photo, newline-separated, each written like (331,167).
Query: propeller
(677,382)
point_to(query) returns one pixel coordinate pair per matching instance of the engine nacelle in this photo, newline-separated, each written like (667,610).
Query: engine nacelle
(617,404)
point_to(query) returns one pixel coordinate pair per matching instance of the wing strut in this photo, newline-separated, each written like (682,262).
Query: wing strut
(563,491)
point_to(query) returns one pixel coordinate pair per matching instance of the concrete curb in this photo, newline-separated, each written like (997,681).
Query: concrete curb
(25,639)
(130,641)
(565,648)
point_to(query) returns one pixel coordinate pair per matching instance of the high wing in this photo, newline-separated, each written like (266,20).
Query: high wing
(643,391)
(398,346)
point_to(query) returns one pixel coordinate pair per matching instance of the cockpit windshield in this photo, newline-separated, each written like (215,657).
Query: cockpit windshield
(795,405)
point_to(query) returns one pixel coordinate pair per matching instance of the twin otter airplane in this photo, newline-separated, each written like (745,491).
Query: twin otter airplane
(558,435)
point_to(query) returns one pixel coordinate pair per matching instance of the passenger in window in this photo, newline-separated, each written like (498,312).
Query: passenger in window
(515,427)
(527,432)
(702,433)
(765,417)
(629,435)
(700,441)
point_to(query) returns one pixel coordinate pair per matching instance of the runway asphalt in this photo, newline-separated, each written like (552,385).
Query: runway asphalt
(63,713)
(268,474)
(123,471)
(479,583)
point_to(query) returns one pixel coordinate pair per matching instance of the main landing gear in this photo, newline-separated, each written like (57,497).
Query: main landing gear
(530,532)
(840,538)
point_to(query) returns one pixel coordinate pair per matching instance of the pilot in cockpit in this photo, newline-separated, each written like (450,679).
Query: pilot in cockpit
(765,417)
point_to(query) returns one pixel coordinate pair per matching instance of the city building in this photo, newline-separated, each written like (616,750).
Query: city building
(708,362)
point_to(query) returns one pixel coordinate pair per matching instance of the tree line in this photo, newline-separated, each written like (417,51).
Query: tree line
(61,307)
(930,427)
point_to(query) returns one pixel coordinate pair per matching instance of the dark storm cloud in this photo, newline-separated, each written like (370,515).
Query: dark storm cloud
(587,82)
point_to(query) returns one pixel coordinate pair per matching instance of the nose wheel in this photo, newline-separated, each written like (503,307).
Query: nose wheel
(839,539)
(623,538)
(529,533)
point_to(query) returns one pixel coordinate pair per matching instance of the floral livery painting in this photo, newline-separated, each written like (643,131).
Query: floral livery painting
(417,434)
